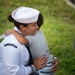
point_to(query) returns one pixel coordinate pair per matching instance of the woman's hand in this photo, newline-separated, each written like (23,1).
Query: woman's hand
(55,66)
(40,62)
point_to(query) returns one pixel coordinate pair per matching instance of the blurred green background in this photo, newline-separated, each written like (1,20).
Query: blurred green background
(58,27)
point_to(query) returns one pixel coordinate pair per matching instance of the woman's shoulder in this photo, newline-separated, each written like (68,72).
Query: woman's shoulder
(10,39)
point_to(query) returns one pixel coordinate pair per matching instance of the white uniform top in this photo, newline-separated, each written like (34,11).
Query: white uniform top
(15,57)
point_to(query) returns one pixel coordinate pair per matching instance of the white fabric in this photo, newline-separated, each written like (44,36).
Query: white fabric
(2,36)
(25,15)
(14,59)
(1,63)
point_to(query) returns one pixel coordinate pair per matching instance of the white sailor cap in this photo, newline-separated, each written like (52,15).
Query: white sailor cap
(25,15)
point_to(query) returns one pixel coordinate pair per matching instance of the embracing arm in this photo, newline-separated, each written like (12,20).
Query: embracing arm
(20,38)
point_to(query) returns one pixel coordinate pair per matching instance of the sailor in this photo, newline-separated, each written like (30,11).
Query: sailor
(15,56)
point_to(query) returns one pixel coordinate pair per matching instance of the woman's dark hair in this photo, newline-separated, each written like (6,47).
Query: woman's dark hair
(17,24)
(40,20)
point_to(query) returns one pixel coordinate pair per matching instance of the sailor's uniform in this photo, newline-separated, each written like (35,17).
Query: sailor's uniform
(15,57)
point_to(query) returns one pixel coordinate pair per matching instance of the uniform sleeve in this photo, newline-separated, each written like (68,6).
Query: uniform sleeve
(12,63)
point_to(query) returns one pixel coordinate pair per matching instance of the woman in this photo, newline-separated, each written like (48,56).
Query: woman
(15,55)
(38,47)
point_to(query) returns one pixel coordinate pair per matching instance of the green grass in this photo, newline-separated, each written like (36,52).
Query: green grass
(58,27)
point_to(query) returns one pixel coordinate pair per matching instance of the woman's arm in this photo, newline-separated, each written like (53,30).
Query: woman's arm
(20,38)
